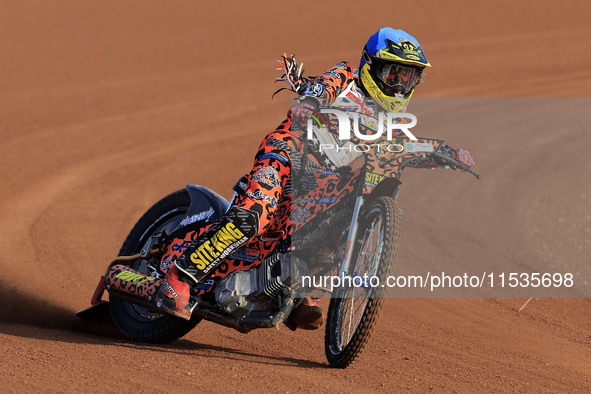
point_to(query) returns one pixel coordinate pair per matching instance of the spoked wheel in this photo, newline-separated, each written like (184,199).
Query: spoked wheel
(136,322)
(354,310)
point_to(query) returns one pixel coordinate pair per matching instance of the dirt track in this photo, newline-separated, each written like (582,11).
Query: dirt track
(107,107)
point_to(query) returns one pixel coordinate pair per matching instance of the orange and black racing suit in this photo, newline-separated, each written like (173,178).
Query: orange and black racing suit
(259,214)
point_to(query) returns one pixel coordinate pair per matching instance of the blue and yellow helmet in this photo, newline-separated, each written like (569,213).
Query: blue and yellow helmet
(391,67)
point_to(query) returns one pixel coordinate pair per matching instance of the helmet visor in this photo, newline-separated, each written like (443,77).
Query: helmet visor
(397,78)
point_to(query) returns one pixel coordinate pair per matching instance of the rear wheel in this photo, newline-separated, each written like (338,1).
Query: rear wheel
(133,321)
(353,311)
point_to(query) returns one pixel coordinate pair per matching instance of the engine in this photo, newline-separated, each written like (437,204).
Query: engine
(260,288)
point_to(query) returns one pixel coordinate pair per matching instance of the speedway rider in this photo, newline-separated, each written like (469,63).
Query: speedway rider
(391,67)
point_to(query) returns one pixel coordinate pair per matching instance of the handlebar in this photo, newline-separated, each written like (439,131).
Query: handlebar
(449,161)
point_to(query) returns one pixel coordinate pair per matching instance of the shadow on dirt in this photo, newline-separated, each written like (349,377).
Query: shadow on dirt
(18,307)
(29,316)
(187,347)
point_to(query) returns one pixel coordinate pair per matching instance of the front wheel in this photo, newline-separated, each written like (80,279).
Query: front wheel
(354,310)
(133,321)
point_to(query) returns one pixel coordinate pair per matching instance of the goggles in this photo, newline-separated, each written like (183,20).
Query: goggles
(397,78)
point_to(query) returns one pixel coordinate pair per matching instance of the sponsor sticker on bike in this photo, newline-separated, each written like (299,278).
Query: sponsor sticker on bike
(132,277)
(218,247)
(272,236)
(419,147)
(205,215)
(328,200)
(246,254)
(372,179)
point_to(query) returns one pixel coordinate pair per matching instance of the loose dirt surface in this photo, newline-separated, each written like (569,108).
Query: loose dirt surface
(105,107)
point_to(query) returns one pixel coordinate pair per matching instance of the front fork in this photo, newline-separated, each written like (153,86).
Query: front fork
(346,264)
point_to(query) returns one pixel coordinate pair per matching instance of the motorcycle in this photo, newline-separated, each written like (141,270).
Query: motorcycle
(348,217)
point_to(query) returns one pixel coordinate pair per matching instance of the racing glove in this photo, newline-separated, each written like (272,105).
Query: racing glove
(465,157)
(461,155)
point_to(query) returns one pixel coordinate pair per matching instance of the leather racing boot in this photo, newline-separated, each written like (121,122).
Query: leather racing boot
(307,316)
(174,294)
